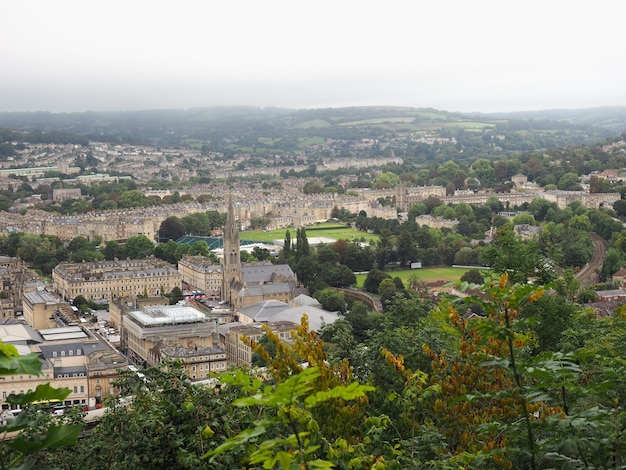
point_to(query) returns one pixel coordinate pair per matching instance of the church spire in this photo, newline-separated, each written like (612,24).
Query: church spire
(232,256)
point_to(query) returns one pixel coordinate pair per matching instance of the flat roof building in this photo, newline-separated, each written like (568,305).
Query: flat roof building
(155,333)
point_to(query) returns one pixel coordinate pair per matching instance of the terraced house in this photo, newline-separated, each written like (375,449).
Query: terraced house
(107,280)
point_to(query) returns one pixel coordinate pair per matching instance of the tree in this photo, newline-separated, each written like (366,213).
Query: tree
(262,254)
(417,209)
(302,244)
(171,423)
(133,198)
(175,296)
(569,182)
(332,300)
(139,247)
(338,276)
(373,280)
(407,251)
(171,229)
(80,243)
(200,247)
(113,250)
(287,246)
(384,248)
(524,219)
(167,251)
(473,276)
(312,187)
(260,222)
(521,259)
(359,258)
(341,248)
(387,290)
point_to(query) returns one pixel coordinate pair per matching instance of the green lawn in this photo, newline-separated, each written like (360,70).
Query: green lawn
(447,274)
(326,230)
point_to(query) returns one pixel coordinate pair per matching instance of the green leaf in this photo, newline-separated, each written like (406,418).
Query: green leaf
(352,391)
(43,392)
(320,464)
(11,364)
(284,458)
(58,436)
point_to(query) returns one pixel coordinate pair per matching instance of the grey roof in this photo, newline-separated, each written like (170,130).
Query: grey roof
(305,300)
(19,333)
(48,350)
(38,297)
(70,370)
(265,273)
(275,310)
(265,289)
(224,328)
(55,334)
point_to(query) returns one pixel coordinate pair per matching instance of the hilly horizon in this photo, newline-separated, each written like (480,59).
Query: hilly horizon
(294,128)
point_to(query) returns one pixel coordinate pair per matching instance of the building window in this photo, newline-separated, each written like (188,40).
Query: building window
(54,354)
(75,389)
(82,389)
(62,353)
(71,352)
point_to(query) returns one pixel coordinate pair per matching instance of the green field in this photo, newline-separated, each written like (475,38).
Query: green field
(327,230)
(447,274)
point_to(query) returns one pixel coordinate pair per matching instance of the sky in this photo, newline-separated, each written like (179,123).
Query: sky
(453,55)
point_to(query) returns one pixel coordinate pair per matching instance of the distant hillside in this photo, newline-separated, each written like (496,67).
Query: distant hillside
(612,118)
(279,130)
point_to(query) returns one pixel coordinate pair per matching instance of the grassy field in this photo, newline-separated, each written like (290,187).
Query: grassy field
(447,274)
(327,230)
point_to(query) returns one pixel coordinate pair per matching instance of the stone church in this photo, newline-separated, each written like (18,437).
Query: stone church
(247,283)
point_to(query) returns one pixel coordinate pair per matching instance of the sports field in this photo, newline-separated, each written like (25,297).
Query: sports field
(447,274)
(325,230)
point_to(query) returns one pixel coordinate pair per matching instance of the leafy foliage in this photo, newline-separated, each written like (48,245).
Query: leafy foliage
(35,433)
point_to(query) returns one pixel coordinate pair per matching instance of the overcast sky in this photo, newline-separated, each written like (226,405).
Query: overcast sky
(456,55)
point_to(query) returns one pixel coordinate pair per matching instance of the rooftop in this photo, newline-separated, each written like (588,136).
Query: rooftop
(159,315)
(70,332)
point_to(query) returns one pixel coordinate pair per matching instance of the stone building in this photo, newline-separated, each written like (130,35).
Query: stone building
(65,194)
(110,279)
(201,273)
(233,335)
(155,333)
(70,357)
(14,276)
(117,307)
(245,284)
(41,309)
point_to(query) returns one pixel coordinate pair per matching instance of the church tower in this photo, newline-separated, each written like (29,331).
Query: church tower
(232,257)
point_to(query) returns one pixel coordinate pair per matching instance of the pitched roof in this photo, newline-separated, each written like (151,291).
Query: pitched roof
(275,310)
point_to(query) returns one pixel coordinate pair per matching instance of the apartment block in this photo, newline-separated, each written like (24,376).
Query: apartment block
(200,272)
(70,357)
(112,279)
